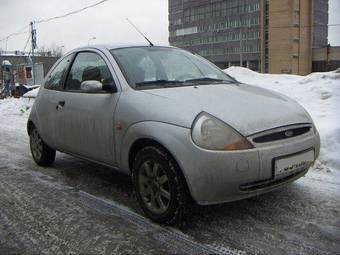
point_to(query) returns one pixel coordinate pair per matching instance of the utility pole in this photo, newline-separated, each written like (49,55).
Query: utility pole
(34,46)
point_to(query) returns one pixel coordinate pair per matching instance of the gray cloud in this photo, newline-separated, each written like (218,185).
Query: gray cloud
(106,22)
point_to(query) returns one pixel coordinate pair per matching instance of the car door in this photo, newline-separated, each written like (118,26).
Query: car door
(85,118)
(48,100)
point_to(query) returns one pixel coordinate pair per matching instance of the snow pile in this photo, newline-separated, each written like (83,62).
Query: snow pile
(318,93)
(12,107)
(32,93)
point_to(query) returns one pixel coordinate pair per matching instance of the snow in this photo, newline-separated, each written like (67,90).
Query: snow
(6,63)
(31,86)
(32,93)
(11,108)
(319,94)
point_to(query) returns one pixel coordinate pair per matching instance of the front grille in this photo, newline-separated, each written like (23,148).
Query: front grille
(282,134)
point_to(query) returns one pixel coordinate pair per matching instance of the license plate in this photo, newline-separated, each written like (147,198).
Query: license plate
(294,163)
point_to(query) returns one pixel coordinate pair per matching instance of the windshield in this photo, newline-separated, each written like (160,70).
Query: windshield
(160,67)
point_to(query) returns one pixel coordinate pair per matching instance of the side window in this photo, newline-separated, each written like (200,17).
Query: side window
(56,78)
(88,66)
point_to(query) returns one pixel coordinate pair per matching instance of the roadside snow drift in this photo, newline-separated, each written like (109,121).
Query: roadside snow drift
(318,93)
(11,108)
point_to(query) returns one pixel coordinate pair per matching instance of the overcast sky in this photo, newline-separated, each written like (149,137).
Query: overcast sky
(106,22)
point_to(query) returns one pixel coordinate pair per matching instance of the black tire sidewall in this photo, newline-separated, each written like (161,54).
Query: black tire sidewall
(169,167)
(47,154)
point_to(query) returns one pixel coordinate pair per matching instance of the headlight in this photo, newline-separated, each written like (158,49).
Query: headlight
(213,134)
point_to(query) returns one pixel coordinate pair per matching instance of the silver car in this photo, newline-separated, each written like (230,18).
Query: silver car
(181,127)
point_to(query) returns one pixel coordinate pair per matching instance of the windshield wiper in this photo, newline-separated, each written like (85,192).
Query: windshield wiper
(208,79)
(158,82)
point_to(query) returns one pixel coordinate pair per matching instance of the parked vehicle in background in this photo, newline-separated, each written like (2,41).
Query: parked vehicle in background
(21,90)
(30,91)
(182,128)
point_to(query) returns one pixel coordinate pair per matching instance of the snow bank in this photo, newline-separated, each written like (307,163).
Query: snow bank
(12,107)
(319,93)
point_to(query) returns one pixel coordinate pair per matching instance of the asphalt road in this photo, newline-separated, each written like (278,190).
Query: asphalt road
(80,207)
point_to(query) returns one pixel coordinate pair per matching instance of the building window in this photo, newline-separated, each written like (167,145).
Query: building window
(28,71)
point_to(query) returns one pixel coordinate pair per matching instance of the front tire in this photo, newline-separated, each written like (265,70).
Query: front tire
(42,154)
(160,188)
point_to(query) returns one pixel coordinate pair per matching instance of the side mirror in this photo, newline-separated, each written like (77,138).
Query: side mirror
(91,86)
(110,87)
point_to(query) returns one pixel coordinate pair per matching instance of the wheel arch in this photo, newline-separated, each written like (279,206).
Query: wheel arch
(168,136)
(33,120)
(140,144)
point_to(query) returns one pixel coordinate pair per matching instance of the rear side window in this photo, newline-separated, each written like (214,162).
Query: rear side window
(57,76)
(88,66)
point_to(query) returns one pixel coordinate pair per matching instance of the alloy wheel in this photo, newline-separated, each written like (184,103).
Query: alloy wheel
(154,187)
(36,144)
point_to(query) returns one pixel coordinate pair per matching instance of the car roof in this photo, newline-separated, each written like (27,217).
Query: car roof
(120,45)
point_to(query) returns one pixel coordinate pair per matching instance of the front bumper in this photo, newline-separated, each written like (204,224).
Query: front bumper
(217,177)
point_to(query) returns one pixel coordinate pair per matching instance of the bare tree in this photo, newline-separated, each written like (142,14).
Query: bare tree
(54,50)
(42,51)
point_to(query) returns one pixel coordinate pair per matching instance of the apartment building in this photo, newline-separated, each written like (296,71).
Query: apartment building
(275,36)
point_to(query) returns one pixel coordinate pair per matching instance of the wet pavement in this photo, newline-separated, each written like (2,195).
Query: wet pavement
(39,215)
(81,207)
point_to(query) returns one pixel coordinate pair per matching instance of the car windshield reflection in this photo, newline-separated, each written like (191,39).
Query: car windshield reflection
(162,67)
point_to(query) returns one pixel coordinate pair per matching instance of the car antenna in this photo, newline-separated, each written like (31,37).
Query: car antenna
(151,44)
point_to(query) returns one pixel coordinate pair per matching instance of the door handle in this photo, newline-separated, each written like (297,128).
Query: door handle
(60,105)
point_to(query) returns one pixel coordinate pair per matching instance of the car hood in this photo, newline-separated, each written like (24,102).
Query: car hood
(248,109)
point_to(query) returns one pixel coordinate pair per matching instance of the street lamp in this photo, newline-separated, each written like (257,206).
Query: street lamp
(92,38)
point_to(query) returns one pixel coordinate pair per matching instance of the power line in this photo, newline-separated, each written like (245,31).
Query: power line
(71,13)
(14,34)
(20,31)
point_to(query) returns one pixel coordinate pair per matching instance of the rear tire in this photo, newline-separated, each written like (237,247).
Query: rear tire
(160,187)
(42,154)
